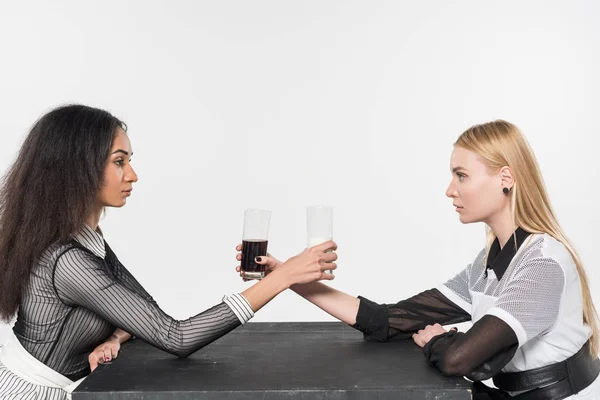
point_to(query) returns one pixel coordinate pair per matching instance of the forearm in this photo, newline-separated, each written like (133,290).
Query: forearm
(259,294)
(334,302)
(479,353)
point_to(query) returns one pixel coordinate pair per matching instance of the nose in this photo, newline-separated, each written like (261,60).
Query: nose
(131,176)
(451,190)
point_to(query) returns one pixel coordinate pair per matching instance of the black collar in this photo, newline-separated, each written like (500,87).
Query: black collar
(497,259)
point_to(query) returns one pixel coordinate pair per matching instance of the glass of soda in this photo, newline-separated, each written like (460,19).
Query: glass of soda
(255,239)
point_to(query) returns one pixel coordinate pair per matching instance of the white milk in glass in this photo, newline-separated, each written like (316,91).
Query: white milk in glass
(319,225)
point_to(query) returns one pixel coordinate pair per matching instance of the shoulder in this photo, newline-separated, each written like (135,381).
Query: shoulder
(543,255)
(70,256)
(544,246)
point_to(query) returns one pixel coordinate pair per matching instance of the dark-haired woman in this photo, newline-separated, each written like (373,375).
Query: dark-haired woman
(67,285)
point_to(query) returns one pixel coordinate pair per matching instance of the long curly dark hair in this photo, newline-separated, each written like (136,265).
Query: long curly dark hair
(50,190)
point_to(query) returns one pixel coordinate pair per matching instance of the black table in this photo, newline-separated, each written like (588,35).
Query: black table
(276,361)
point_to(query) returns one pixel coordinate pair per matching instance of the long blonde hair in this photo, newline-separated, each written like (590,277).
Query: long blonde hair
(500,143)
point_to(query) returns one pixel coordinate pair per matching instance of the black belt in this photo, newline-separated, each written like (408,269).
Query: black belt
(552,382)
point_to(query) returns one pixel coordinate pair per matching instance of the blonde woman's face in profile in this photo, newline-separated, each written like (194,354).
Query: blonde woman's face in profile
(119,175)
(476,194)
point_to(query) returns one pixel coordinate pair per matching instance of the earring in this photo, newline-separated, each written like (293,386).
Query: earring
(505,190)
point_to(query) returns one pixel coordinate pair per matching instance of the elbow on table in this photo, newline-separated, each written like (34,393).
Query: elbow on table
(452,365)
(180,352)
(183,353)
(179,349)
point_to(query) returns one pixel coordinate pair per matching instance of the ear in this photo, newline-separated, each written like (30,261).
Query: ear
(506,177)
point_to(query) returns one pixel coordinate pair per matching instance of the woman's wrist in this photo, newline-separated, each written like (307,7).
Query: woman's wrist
(282,278)
(119,336)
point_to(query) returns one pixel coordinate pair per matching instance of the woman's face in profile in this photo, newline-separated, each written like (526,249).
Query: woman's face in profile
(476,193)
(119,175)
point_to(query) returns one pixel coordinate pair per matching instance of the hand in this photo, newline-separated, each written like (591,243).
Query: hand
(310,265)
(423,336)
(105,352)
(270,261)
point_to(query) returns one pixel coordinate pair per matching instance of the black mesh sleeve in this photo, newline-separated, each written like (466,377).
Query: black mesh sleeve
(380,321)
(478,354)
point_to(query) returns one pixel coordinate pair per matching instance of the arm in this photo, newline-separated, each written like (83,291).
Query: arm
(334,302)
(449,303)
(479,353)
(378,321)
(82,280)
(527,307)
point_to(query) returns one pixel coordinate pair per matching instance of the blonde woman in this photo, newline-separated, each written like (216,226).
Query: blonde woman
(535,329)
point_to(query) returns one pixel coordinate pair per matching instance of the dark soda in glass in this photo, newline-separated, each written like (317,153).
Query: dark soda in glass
(251,249)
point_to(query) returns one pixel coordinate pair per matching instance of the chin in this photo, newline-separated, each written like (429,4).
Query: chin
(118,204)
(465,220)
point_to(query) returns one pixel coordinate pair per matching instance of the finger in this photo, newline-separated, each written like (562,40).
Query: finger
(326,277)
(328,245)
(266,260)
(329,257)
(238,268)
(416,339)
(93,361)
(107,355)
(273,259)
(114,352)
(271,266)
(238,247)
(238,257)
(328,266)
(419,340)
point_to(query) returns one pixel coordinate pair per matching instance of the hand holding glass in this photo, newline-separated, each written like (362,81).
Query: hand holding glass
(319,225)
(255,239)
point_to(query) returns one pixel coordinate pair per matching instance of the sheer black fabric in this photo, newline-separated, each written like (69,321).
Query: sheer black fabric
(76,299)
(380,321)
(478,354)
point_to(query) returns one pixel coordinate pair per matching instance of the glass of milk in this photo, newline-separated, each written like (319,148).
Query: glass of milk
(319,225)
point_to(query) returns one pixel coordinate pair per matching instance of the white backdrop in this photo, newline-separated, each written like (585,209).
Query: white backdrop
(281,104)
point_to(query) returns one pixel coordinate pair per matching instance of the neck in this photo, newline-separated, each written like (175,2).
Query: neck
(503,226)
(93,220)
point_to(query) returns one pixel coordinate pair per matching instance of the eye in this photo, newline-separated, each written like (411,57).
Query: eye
(119,162)
(461,177)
